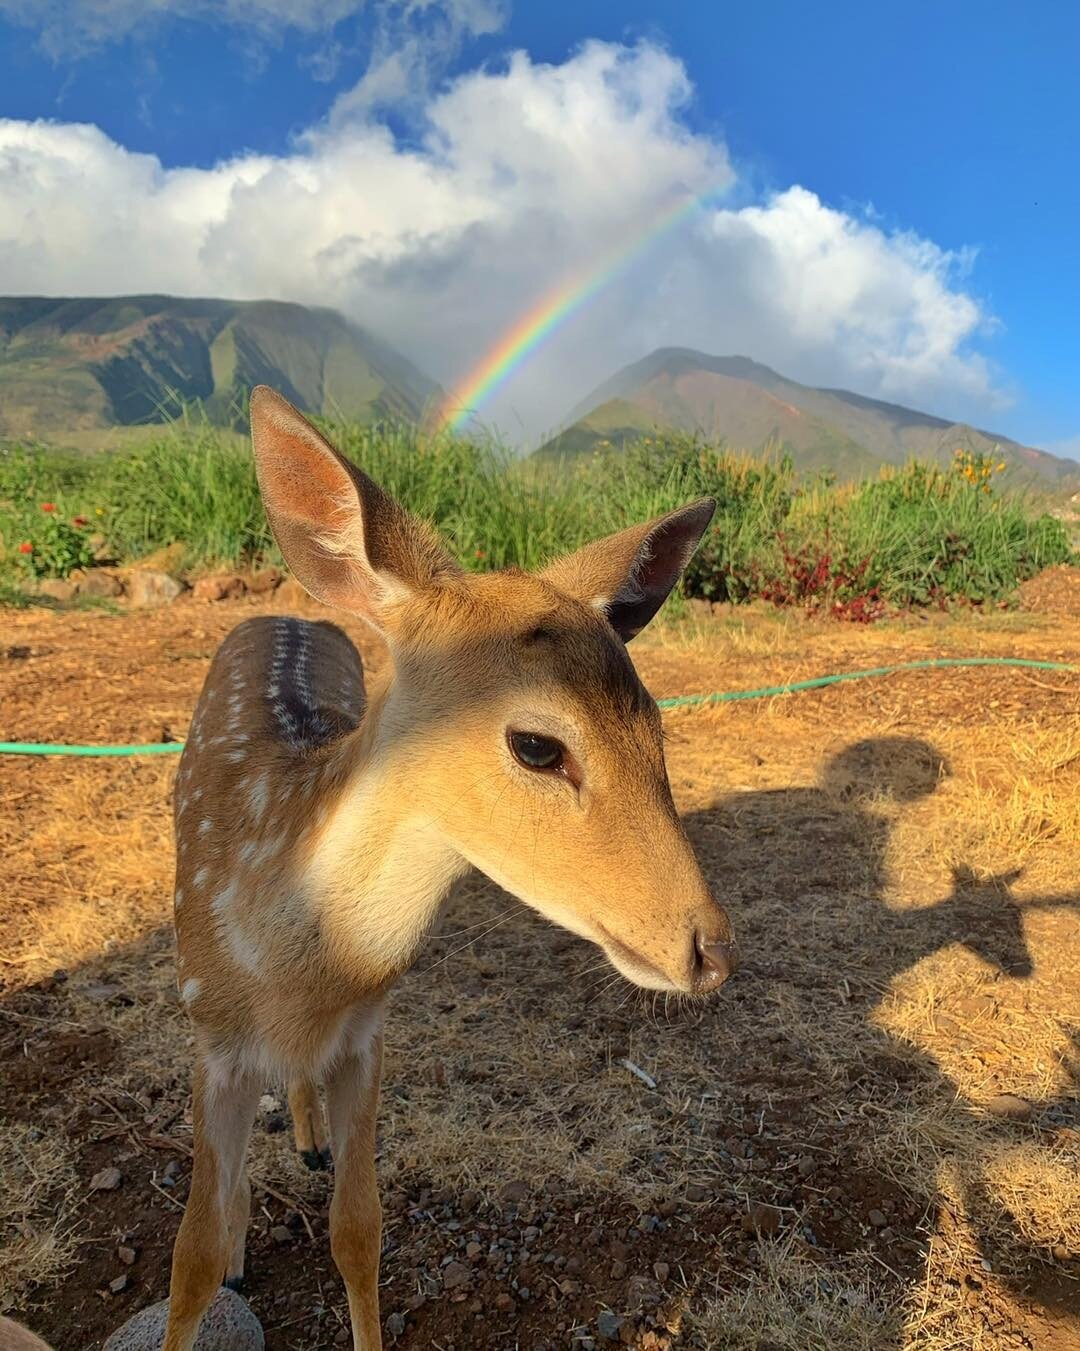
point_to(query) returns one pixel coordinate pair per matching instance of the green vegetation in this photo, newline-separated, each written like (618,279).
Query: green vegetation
(677,389)
(917,535)
(78,371)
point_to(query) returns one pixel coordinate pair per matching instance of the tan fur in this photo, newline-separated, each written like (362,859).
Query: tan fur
(13,1337)
(320,827)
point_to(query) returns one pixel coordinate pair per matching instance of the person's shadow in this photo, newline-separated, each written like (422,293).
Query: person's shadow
(813,863)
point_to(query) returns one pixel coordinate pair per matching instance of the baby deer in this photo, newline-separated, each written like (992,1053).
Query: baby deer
(319,826)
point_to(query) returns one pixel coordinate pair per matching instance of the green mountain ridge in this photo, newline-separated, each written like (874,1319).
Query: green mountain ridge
(69,367)
(751,406)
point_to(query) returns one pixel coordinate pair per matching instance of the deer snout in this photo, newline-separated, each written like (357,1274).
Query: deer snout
(715,958)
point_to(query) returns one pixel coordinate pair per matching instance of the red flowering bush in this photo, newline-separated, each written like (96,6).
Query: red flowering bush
(57,547)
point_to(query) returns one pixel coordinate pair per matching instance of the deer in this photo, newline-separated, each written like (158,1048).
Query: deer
(320,824)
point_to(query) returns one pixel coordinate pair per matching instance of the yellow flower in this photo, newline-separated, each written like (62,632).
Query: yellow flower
(1001,467)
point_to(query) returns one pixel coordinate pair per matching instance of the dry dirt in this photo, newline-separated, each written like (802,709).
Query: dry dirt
(821,1164)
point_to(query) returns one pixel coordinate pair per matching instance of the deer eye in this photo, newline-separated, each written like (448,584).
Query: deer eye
(535,751)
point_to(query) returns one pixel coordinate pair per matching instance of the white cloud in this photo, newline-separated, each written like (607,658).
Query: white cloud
(71,28)
(527,175)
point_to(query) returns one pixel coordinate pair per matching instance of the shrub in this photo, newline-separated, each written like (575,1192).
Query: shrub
(917,535)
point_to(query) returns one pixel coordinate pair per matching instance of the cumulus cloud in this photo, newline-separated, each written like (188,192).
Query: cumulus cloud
(526,175)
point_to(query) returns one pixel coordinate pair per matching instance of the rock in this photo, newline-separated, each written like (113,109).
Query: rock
(119,1283)
(395,1324)
(761,1219)
(661,1270)
(608,1325)
(618,1270)
(805,1166)
(473,1250)
(695,1193)
(228,1325)
(1061,1253)
(98,582)
(126,1255)
(515,1192)
(266,579)
(455,1275)
(877,1219)
(225,586)
(56,589)
(107,1180)
(280,1234)
(1010,1107)
(504,1302)
(147,587)
(291,594)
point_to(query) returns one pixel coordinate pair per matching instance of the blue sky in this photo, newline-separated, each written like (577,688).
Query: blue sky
(930,151)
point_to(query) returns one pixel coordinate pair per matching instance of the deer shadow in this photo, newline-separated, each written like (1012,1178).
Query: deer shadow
(816,858)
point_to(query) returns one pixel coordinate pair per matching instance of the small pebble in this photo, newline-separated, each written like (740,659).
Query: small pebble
(661,1270)
(126,1255)
(107,1180)
(877,1219)
(280,1234)
(1010,1107)
(119,1284)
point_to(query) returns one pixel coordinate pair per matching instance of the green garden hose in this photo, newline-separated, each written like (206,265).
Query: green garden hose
(678,701)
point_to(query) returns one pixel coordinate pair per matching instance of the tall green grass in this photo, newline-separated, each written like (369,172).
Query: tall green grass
(918,535)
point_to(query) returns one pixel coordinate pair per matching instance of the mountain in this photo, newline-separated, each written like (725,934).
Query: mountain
(750,406)
(69,368)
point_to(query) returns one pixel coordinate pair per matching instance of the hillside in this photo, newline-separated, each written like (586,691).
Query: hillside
(69,368)
(750,406)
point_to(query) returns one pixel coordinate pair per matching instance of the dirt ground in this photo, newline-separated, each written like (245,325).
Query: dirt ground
(820,1158)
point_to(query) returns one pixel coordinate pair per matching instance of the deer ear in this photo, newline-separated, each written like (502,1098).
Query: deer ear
(629,575)
(349,543)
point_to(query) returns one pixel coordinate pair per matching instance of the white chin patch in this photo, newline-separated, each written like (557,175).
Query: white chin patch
(643,978)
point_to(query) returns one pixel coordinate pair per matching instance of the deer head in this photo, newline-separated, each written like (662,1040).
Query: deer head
(515,721)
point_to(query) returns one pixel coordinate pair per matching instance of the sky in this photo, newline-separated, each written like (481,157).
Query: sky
(887,195)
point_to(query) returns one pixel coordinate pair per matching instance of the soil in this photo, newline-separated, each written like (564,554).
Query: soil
(752,1146)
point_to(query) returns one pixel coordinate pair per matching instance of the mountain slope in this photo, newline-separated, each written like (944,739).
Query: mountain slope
(68,366)
(749,405)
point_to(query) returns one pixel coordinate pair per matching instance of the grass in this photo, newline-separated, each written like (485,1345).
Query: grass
(916,536)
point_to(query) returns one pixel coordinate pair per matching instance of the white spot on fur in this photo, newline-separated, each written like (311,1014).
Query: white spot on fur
(225,897)
(200,877)
(206,825)
(191,990)
(259,796)
(178,899)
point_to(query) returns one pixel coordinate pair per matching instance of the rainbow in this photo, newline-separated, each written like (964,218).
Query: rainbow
(529,333)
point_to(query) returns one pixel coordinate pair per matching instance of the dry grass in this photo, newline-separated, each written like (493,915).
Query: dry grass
(899,858)
(37,1209)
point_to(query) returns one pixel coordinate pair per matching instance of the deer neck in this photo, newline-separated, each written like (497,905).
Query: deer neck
(379,867)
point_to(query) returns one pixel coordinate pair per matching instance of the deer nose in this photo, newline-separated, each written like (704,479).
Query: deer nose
(717,959)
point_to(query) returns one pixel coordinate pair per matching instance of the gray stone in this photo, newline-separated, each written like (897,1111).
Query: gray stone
(228,1325)
(56,588)
(147,587)
(607,1325)
(97,582)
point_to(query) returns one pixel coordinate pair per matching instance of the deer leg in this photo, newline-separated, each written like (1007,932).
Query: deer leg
(355,1215)
(239,1215)
(309,1132)
(223,1110)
